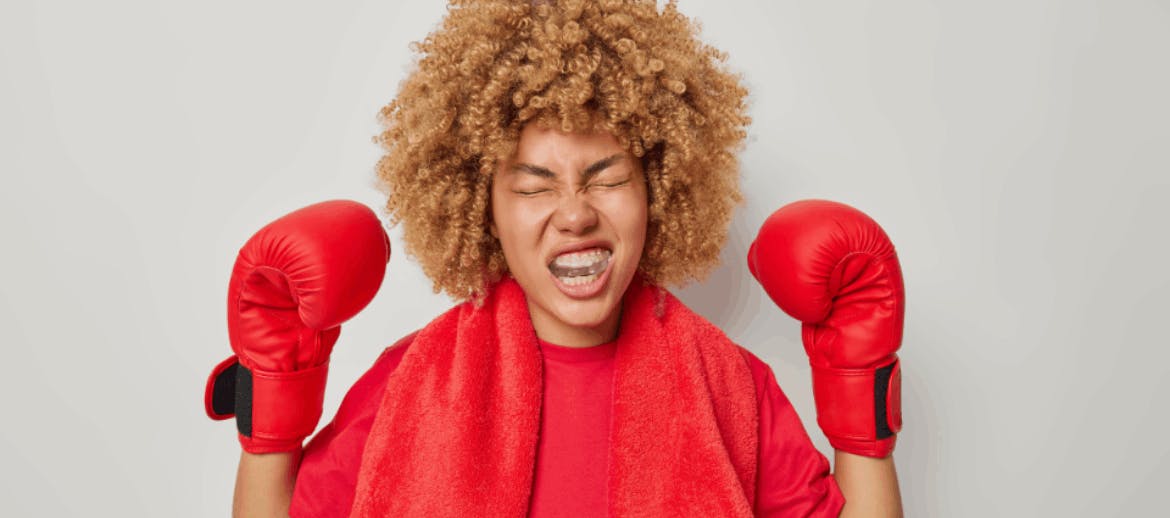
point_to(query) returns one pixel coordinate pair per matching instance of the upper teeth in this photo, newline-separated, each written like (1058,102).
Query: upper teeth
(581,259)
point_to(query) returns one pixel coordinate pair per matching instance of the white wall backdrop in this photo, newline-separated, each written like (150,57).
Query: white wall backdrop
(1015,151)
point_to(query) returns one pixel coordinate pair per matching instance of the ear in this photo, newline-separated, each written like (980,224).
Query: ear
(492,230)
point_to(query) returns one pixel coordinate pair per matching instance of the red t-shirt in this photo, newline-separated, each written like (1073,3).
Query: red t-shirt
(572,452)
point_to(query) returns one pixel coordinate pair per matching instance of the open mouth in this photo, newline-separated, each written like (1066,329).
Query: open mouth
(580,267)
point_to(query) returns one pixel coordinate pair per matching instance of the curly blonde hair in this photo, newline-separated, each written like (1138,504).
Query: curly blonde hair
(619,66)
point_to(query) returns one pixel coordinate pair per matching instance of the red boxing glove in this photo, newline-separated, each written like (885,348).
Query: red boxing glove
(834,269)
(292,286)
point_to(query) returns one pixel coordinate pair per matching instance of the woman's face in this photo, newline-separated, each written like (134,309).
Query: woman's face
(570,212)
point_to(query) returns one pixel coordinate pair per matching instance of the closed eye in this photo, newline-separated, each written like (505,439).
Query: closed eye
(613,184)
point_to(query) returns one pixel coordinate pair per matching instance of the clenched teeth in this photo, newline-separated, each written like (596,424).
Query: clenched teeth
(580,264)
(577,281)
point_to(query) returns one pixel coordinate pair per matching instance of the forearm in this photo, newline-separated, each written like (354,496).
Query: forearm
(264,484)
(870,485)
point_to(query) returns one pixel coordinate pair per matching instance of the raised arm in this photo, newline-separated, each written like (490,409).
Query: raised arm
(264,484)
(293,284)
(870,485)
(834,269)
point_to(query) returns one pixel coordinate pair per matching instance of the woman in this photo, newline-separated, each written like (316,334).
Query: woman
(554,164)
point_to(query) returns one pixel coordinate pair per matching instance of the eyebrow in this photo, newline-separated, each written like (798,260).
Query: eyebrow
(586,175)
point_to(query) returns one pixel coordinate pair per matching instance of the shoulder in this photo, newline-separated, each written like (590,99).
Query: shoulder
(375,377)
(362,395)
(328,471)
(762,376)
(794,477)
(678,317)
(713,338)
(392,355)
(774,403)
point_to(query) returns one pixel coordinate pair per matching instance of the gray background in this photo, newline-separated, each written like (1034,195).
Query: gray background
(1015,151)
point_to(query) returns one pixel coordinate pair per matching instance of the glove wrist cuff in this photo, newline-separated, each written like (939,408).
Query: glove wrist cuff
(860,410)
(274,411)
(879,449)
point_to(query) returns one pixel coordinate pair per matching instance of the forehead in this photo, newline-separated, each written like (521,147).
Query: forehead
(552,147)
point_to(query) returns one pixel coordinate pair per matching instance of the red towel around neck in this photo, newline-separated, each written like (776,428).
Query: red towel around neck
(456,432)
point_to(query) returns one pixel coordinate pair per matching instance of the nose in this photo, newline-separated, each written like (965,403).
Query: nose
(575,215)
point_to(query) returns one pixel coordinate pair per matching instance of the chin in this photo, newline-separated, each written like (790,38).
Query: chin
(588,318)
